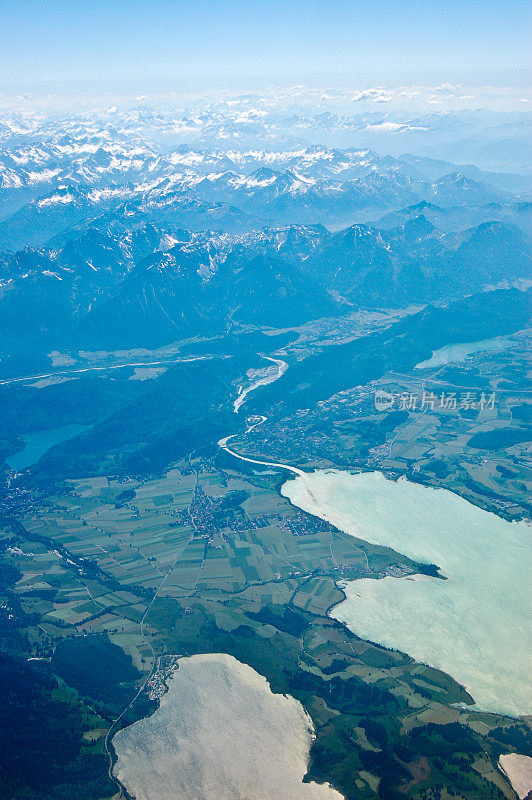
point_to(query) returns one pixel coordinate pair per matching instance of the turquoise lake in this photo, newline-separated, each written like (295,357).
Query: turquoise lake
(458,353)
(476,625)
(39,442)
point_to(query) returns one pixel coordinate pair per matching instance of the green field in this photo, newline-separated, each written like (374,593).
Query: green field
(209,559)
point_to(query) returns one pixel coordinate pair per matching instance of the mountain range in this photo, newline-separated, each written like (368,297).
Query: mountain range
(147,285)
(67,182)
(115,233)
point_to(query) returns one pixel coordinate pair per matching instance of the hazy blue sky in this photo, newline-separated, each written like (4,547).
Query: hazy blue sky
(142,44)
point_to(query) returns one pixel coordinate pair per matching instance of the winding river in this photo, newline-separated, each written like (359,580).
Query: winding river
(282,366)
(218,713)
(475,625)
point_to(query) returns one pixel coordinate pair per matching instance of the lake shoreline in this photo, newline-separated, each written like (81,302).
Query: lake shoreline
(174,746)
(306,494)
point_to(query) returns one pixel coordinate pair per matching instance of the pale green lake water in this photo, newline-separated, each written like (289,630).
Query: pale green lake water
(457,353)
(475,626)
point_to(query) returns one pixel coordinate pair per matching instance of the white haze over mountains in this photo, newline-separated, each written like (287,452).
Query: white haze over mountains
(91,200)
(127,140)
(446,96)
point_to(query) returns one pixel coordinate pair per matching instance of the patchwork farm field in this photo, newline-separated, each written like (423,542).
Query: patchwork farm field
(203,559)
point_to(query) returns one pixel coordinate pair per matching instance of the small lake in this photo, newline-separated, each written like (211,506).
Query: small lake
(219,733)
(458,353)
(475,625)
(39,442)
